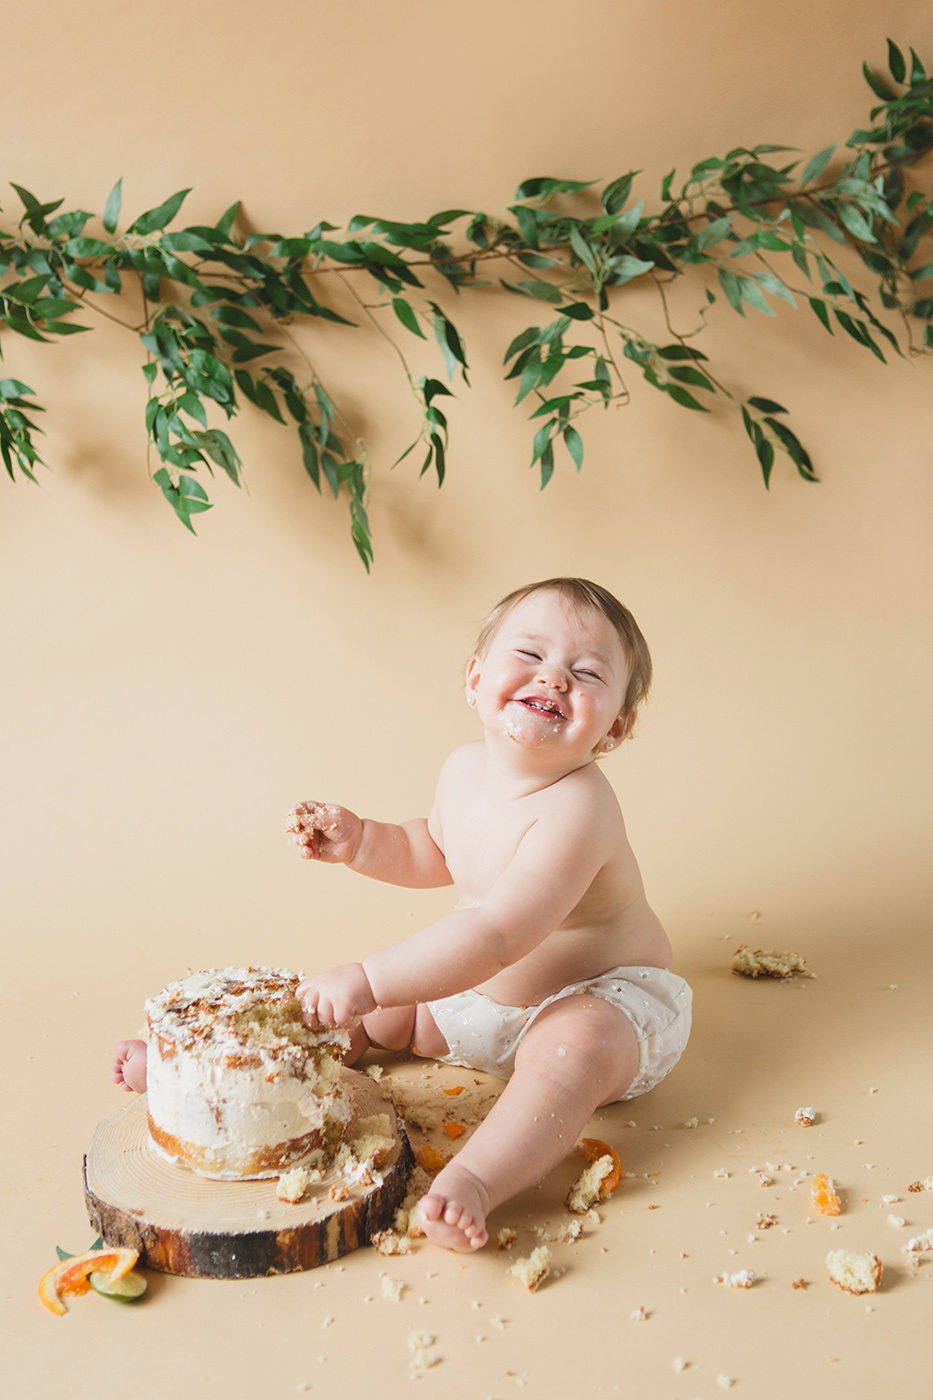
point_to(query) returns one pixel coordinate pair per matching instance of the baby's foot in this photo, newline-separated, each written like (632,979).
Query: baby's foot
(129,1066)
(453,1213)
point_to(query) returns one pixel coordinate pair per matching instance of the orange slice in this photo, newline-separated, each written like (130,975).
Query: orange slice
(459,1090)
(454,1130)
(70,1277)
(593,1149)
(823,1195)
(430,1158)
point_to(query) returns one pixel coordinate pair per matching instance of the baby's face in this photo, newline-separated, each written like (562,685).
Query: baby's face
(552,676)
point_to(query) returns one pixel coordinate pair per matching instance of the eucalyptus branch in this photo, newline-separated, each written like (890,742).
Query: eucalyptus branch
(218,306)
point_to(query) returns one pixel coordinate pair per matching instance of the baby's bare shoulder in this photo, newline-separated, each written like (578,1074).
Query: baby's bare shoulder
(584,800)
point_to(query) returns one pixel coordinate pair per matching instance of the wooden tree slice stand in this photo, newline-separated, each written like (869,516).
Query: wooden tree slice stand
(182,1223)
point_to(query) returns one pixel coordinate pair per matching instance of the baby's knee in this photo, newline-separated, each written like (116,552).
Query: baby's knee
(583,1040)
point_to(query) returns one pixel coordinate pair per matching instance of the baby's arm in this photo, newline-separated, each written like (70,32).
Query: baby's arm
(404,854)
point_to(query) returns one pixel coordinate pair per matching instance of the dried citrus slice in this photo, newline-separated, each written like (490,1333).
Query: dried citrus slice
(124,1290)
(454,1130)
(593,1149)
(823,1195)
(70,1276)
(430,1158)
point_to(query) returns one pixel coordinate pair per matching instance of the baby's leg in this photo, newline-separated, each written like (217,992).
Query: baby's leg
(396,1028)
(580,1053)
(128,1068)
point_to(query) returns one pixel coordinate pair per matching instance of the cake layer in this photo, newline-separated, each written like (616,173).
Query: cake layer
(237,1085)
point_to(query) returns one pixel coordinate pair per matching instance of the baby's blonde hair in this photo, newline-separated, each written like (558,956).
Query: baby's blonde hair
(581,593)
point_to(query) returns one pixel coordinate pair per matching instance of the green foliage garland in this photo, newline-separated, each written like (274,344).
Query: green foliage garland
(216,308)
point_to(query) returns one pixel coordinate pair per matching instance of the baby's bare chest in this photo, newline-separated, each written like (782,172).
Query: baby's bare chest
(480,840)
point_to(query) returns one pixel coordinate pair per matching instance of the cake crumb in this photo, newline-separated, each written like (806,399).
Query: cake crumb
(744,1278)
(506,1237)
(897,1220)
(389,1242)
(639,1315)
(692,1123)
(805,1117)
(920,1243)
(679,1364)
(854,1273)
(800,1283)
(573,1232)
(500,1322)
(586,1190)
(721,1174)
(392,1288)
(725,1381)
(767,964)
(533,1270)
(375,1071)
(764,1222)
(293,1184)
(421,1344)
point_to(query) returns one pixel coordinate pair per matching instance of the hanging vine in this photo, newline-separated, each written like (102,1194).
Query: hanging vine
(216,309)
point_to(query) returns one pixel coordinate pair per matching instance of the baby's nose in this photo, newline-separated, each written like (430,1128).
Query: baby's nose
(552,676)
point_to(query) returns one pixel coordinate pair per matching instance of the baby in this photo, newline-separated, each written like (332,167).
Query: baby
(552,970)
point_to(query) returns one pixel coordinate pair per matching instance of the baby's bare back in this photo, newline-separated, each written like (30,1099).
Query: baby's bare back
(610,925)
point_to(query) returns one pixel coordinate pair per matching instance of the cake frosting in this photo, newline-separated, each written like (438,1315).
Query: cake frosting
(238,1086)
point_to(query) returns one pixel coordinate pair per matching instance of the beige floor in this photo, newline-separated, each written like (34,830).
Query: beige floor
(854,1043)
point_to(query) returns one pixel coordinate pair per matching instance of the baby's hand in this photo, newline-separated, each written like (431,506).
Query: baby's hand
(324,831)
(336,998)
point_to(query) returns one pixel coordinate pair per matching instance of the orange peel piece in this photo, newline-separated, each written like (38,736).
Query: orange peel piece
(458,1090)
(823,1196)
(430,1158)
(70,1277)
(593,1149)
(454,1130)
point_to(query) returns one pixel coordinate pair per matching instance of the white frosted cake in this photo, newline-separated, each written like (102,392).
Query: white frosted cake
(238,1087)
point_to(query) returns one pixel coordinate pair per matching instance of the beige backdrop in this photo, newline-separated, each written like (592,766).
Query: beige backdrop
(166,698)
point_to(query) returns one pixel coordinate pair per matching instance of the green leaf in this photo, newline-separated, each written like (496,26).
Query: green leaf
(684,398)
(817,164)
(574,445)
(680,352)
(615,195)
(113,206)
(819,308)
(856,222)
(186,499)
(406,314)
(752,293)
(542,186)
(582,249)
(157,218)
(14,389)
(732,289)
(767,405)
(527,224)
(775,286)
(544,291)
(688,375)
(714,232)
(877,86)
(624,269)
(896,62)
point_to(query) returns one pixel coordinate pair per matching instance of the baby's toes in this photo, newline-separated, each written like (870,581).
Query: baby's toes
(432,1207)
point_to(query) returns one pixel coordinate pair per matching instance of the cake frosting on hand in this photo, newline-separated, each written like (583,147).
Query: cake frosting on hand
(238,1086)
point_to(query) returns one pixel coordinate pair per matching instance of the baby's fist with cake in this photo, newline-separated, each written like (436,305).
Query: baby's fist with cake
(339,997)
(324,831)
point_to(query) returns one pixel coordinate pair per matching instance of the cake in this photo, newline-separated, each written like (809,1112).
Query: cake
(238,1086)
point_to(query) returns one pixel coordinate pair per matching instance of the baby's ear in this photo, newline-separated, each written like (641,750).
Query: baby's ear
(621,728)
(472,678)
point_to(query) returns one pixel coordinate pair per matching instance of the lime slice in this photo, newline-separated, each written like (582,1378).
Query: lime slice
(124,1290)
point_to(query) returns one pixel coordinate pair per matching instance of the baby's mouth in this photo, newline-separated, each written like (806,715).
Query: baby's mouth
(538,705)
